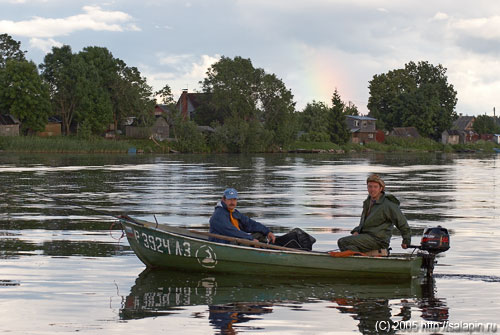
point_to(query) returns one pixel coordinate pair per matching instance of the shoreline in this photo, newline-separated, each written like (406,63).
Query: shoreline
(75,145)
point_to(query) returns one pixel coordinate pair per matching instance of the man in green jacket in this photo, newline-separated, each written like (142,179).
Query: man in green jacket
(380,213)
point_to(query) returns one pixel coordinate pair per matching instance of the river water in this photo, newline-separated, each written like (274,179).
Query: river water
(64,269)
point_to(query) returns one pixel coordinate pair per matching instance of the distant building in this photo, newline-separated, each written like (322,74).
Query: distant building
(9,125)
(52,128)
(188,102)
(451,136)
(362,128)
(465,125)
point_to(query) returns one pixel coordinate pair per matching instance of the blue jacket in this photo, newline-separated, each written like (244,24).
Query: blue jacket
(220,223)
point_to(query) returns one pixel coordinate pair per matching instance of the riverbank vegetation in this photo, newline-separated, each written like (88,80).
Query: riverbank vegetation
(244,108)
(60,144)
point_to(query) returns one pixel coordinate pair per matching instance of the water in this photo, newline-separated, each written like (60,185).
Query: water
(64,269)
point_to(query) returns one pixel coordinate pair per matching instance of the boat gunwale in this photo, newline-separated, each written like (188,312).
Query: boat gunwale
(158,228)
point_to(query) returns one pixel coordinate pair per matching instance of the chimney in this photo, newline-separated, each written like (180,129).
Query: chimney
(184,104)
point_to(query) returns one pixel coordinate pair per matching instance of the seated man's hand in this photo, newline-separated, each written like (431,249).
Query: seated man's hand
(271,237)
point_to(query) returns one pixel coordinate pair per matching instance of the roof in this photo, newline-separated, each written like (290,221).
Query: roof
(462,122)
(361,117)
(196,99)
(8,119)
(405,132)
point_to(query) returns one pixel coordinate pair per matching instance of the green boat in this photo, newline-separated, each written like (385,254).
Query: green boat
(165,247)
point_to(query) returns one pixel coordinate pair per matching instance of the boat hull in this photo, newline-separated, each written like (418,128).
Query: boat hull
(163,247)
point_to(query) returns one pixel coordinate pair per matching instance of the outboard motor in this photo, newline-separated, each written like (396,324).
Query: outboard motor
(434,240)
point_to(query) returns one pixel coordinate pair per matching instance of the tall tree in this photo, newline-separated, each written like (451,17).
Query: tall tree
(24,95)
(238,91)
(131,95)
(95,89)
(10,49)
(314,118)
(278,109)
(418,95)
(65,74)
(337,126)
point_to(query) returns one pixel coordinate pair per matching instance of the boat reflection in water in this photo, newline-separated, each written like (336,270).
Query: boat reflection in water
(232,300)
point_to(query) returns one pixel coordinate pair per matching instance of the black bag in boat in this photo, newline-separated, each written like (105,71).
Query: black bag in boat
(295,238)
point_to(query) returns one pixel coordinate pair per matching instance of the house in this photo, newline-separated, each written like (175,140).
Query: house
(465,125)
(188,102)
(406,132)
(496,138)
(451,136)
(362,128)
(9,125)
(52,128)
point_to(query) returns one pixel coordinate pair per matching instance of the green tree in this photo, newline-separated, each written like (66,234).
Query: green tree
(166,96)
(10,49)
(64,73)
(95,96)
(278,109)
(337,126)
(131,95)
(188,137)
(95,89)
(485,124)
(351,109)
(418,95)
(313,121)
(238,91)
(24,95)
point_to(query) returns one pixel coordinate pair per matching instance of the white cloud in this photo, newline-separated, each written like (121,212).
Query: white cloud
(187,71)
(44,44)
(484,28)
(440,16)
(93,18)
(174,59)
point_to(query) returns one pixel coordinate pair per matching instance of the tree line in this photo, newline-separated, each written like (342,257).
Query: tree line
(249,109)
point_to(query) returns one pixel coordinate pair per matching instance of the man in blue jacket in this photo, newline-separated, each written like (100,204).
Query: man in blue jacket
(228,221)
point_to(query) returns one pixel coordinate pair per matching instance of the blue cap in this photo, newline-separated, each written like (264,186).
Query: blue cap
(231,193)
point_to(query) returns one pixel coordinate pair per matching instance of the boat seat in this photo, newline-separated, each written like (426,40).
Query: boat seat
(377,253)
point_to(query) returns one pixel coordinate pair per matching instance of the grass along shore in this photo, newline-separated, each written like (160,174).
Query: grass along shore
(71,144)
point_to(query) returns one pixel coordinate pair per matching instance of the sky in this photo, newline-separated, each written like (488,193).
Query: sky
(313,46)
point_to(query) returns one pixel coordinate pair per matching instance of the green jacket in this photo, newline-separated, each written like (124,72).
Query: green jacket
(384,214)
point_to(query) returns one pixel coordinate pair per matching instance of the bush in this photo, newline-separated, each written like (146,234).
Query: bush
(188,137)
(237,135)
(315,136)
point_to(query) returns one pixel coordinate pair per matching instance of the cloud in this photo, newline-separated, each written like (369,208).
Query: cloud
(93,18)
(184,71)
(44,44)
(174,59)
(440,16)
(483,28)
